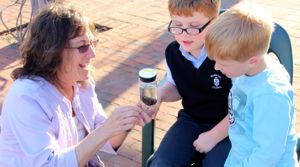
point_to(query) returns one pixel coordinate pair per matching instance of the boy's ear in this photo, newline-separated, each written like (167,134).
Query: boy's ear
(253,60)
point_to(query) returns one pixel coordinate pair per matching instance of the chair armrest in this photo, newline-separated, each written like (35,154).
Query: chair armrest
(147,141)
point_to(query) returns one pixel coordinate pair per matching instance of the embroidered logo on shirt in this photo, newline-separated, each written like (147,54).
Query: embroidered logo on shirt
(216,81)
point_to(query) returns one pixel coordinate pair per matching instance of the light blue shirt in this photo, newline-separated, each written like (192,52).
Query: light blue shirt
(37,128)
(262,120)
(197,62)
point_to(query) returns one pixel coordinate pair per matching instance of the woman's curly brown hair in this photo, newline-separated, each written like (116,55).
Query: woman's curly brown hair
(49,33)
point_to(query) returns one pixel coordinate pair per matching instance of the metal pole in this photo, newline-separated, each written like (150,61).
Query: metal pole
(38,4)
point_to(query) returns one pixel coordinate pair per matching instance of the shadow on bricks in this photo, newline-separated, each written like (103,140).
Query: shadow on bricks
(124,74)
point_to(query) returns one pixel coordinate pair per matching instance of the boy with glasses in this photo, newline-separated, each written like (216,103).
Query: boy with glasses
(261,100)
(200,131)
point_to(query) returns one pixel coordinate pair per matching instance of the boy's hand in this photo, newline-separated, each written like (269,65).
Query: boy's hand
(205,142)
(147,113)
(150,110)
(143,118)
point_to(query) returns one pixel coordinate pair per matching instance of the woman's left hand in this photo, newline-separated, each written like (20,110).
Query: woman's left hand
(121,119)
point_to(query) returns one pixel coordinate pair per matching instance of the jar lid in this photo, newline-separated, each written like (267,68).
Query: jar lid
(147,74)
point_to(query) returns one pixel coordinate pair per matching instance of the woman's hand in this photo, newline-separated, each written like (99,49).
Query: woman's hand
(121,119)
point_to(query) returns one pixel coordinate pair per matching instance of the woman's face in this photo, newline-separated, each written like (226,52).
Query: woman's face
(76,58)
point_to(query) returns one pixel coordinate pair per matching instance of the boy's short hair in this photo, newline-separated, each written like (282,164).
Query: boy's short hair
(210,8)
(241,32)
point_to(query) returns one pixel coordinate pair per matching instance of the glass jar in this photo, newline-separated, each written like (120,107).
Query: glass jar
(148,86)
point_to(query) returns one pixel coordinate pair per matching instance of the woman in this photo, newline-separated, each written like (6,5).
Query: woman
(51,115)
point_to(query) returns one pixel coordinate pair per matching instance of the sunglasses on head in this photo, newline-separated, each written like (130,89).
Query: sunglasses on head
(85,47)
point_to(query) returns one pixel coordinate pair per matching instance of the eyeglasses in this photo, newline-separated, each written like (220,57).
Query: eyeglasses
(84,48)
(189,30)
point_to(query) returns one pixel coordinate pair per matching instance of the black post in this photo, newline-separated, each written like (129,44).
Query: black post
(147,141)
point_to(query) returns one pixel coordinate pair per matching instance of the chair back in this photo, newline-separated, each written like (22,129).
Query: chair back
(281,46)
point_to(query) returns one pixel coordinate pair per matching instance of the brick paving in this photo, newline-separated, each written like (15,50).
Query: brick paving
(137,39)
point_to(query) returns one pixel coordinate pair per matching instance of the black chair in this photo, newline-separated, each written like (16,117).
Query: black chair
(280,46)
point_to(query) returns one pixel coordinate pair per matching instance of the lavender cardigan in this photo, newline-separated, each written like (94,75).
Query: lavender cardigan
(36,126)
